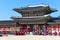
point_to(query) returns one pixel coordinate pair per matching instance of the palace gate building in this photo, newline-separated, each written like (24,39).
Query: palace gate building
(34,18)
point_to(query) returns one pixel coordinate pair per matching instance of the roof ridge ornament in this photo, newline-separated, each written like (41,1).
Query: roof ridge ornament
(44,5)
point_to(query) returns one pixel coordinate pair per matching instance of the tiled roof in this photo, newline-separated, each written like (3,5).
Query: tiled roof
(7,22)
(29,18)
(54,21)
(27,9)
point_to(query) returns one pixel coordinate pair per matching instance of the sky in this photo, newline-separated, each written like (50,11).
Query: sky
(6,7)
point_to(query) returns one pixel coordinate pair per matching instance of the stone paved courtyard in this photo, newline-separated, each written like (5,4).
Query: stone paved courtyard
(30,37)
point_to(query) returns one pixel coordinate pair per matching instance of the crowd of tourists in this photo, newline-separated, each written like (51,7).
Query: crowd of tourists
(32,31)
(36,31)
(27,32)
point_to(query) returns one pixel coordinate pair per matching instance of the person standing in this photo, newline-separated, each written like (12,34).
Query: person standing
(3,31)
(55,33)
(6,30)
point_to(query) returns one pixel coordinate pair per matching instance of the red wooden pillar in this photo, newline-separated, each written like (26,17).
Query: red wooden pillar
(26,28)
(27,25)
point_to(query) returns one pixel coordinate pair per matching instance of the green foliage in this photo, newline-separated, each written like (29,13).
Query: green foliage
(17,28)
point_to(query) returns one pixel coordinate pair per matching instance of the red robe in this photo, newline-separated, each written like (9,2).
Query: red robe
(55,33)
